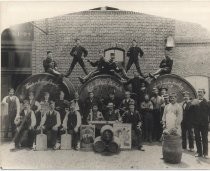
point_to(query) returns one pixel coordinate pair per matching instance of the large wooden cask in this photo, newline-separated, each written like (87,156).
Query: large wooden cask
(172,149)
(174,83)
(40,83)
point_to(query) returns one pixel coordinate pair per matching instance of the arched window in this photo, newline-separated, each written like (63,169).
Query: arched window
(118,52)
(199,82)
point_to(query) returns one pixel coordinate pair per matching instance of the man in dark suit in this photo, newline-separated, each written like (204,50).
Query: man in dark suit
(186,124)
(201,114)
(133,117)
(79,53)
(133,53)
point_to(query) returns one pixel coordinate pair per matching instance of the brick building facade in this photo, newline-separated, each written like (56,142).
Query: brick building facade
(103,29)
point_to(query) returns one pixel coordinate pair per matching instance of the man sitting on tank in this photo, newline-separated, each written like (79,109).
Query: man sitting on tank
(111,114)
(133,117)
(106,67)
(164,68)
(50,66)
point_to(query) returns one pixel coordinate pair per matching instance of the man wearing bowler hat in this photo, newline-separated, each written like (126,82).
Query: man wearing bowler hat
(201,117)
(186,124)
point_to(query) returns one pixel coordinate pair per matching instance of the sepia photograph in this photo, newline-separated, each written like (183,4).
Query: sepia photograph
(105,85)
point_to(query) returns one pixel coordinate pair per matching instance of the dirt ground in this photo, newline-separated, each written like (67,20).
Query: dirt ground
(129,159)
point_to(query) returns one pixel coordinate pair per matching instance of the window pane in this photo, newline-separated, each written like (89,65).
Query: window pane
(4,59)
(22,59)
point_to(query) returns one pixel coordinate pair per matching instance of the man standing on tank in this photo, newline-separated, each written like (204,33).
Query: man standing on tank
(133,53)
(79,53)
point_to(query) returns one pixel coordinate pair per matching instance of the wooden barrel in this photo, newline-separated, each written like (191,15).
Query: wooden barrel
(101,86)
(99,145)
(107,133)
(175,84)
(45,82)
(114,145)
(172,148)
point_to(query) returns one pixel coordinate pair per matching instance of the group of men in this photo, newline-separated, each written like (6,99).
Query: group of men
(154,116)
(110,66)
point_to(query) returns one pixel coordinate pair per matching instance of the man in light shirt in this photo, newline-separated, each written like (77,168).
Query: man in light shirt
(13,110)
(172,115)
(71,124)
(50,123)
(25,122)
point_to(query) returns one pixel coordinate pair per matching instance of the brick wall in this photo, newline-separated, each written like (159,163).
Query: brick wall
(100,30)
(192,51)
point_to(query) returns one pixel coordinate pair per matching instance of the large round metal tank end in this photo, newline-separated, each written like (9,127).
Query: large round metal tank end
(174,83)
(101,86)
(40,83)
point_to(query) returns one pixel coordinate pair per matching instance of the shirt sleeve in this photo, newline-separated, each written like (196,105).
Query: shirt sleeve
(141,52)
(85,52)
(38,105)
(164,114)
(33,119)
(64,124)
(18,106)
(179,115)
(78,119)
(4,99)
(58,118)
(43,119)
(151,106)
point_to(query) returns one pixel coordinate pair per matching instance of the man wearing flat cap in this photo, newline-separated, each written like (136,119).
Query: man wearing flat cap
(111,114)
(133,117)
(186,124)
(201,117)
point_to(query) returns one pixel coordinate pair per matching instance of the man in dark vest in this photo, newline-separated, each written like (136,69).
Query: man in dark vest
(186,124)
(71,123)
(133,117)
(157,102)
(79,53)
(25,123)
(133,53)
(50,123)
(88,105)
(201,117)
(13,111)
(124,106)
(36,107)
(111,114)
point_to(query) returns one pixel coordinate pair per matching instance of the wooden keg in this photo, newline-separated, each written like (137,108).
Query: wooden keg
(66,141)
(107,133)
(114,145)
(99,145)
(172,148)
(41,142)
